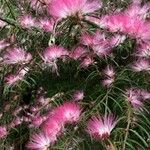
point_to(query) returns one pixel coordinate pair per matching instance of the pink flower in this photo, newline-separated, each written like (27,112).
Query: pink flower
(143,50)
(78,95)
(136,10)
(109,71)
(134,97)
(69,111)
(64,8)
(117,40)
(54,52)
(86,62)
(101,127)
(141,65)
(108,82)
(2,24)
(3,131)
(3,44)
(13,78)
(87,39)
(46,24)
(53,125)
(37,121)
(27,21)
(78,53)
(40,141)
(17,55)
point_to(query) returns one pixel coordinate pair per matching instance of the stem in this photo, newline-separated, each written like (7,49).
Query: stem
(127,128)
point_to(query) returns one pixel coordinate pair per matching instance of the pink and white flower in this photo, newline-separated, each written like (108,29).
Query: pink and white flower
(53,53)
(2,24)
(40,141)
(87,61)
(46,24)
(53,125)
(101,127)
(141,65)
(78,53)
(134,97)
(13,78)
(3,131)
(3,44)
(17,56)
(109,71)
(27,21)
(65,8)
(69,111)
(78,95)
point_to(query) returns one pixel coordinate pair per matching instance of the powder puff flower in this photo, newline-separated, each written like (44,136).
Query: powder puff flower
(143,50)
(101,127)
(37,121)
(116,40)
(135,98)
(69,111)
(64,8)
(78,95)
(17,55)
(3,44)
(86,62)
(53,125)
(87,39)
(108,82)
(136,10)
(46,24)
(27,21)
(54,52)
(109,71)
(13,78)
(78,53)
(3,131)
(2,24)
(40,141)
(141,65)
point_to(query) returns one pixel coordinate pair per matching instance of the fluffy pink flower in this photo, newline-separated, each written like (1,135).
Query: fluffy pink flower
(86,62)
(3,131)
(136,10)
(141,65)
(143,50)
(78,95)
(64,8)
(13,78)
(109,71)
(69,111)
(3,44)
(2,24)
(54,52)
(46,24)
(108,82)
(27,21)
(17,55)
(101,127)
(135,98)
(53,125)
(40,141)
(78,53)
(117,40)
(87,39)
(37,121)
